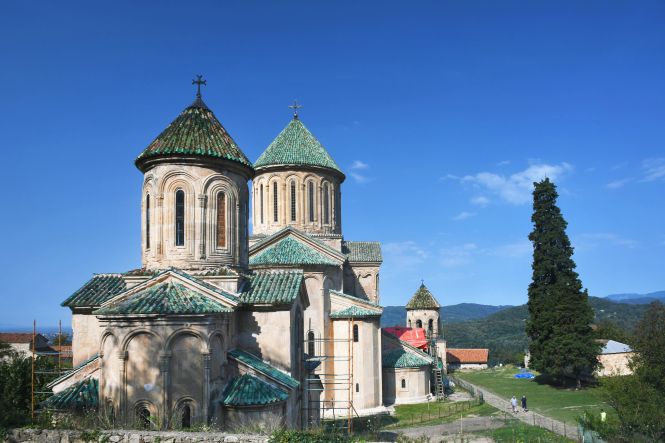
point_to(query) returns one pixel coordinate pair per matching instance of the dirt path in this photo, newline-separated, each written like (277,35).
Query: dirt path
(532,418)
(439,433)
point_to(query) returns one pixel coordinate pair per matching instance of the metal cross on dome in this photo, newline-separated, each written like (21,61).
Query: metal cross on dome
(295,106)
(198,82)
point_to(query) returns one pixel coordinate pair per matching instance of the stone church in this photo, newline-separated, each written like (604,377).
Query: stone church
(280,327)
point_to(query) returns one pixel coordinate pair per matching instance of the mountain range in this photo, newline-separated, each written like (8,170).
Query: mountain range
(638,299)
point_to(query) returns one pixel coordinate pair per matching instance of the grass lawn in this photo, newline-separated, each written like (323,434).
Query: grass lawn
(558,403)
(438,412)
(516,430)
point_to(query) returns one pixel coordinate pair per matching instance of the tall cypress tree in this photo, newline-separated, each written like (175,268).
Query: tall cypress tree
(559,325)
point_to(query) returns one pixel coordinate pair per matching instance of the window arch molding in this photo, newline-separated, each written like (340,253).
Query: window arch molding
(212,187)
(327,191)
(311,199)
(179,409)
(292,199)
(145,405)
(171,186)
(275,200)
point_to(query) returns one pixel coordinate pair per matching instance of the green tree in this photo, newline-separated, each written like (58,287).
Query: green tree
(639,399)
(560,316)
(608,330)
(16,387)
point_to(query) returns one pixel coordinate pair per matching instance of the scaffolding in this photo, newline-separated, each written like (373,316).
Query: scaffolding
(48,352)
(329,382)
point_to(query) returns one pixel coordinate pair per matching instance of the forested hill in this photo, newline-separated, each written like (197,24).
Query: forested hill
(396,315)
(503,332)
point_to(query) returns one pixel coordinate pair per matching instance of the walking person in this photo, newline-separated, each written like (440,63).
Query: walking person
(524,408)
(513,403)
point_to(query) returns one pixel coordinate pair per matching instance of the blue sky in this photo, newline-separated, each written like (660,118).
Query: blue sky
(441,113)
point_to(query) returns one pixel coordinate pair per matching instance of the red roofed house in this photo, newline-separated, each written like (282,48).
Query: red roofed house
(21,342)
(467,358)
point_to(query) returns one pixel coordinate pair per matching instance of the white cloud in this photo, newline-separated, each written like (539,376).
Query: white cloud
(404,254)
(503,163)
(457,255)
(616,184)
(359,165)
(593,239)
(480,200)
(516,188)
(654,169)
(463,215)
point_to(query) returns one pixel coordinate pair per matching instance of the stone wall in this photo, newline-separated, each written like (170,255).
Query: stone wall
(122,436)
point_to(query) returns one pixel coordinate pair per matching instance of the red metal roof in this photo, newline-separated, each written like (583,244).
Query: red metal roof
(416,337)
(467,355)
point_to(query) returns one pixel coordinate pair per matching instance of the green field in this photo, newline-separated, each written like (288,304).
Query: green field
(558,403)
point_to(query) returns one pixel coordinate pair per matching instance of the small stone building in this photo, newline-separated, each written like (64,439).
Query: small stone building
(21,342)
(469,359)
(614,359)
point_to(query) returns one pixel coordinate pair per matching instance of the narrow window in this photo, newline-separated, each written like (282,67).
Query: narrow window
(310,344)
(419,324)
(355,333)
(310,193)
(403,384)
(357,387)
(293,201)
(430,326)
(261,197)
(221,220)
(326,205)
(274,201)
(147,221)
(186,417)
(409,323)
(180,217)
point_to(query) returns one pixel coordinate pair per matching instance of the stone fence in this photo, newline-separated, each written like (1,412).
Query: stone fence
(122,436)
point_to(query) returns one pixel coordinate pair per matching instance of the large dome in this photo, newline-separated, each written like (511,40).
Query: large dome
(196,132)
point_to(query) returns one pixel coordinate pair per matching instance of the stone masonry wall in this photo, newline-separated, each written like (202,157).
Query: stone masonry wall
(120,436)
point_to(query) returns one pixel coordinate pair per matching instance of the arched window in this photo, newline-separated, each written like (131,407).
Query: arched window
(430,325)
(147,221)
(293,201)
(357,387)
(143,417)
(355,333)
(180,217)
(409,323)
(310,198)
(326,205)
(311,350)
(221,220)
(403,384)
(419,324)
(261,198)
(274,202)
(186,417)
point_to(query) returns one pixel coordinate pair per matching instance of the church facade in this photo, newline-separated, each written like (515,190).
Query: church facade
(226,328)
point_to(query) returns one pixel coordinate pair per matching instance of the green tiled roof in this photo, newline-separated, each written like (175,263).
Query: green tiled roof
(97,290)
(295,145)
(81,395)
(73,371)
(248,390)
(400,358)
(355,312)
(195,132)
(362,251)
(289,251)
(272,287)
(423,299)
(356,299)
(164,298)
(264,368)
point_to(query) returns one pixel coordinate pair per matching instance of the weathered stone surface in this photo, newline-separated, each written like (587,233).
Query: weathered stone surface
(118,436)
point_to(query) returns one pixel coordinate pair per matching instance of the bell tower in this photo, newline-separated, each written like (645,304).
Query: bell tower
(194,200)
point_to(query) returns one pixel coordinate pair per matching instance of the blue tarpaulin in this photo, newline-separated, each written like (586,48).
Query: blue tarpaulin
(525,375)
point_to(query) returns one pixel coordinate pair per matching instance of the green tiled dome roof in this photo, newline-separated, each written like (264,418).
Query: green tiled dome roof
(195,132)
(423,299)
(82,395)
(290,252)
(295,145)
(399,358)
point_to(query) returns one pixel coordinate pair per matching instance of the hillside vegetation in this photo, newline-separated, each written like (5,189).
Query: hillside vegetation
(503,332)
(396,315)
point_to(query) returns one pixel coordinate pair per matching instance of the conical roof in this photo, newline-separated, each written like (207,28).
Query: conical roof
(423,299)
(295,145)
(195,132)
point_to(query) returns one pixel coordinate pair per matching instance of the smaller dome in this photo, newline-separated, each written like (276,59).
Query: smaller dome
(195,132)
(295,145)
